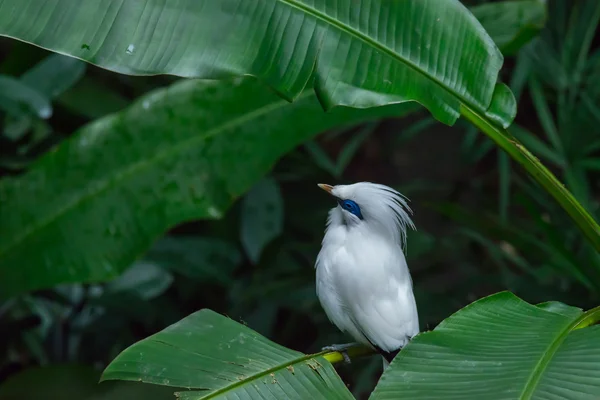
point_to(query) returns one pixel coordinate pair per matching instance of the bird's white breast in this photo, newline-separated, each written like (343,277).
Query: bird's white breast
(365,288)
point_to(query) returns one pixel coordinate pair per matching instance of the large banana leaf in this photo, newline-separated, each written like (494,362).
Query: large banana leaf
(361,54)
(357,54)
(87,210)
(501,347)
(511,24)
(216,357)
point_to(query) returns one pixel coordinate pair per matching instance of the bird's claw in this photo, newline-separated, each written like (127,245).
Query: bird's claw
(342,349)
(339,347)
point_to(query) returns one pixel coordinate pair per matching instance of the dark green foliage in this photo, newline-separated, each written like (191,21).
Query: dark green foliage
(479,351)
(125,179)
(128,203)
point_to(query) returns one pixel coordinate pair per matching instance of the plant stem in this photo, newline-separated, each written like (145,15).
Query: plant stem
(540,173)
(589,318)
(353,352)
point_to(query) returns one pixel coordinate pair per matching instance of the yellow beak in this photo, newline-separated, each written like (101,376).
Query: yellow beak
(325,187)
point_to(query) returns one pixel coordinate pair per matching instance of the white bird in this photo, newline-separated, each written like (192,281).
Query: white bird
(363,282)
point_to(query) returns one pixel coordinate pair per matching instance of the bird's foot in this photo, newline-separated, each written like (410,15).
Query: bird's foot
(339,347)
(342,349)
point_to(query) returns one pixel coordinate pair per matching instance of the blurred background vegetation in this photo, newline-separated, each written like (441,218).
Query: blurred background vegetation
(483,225)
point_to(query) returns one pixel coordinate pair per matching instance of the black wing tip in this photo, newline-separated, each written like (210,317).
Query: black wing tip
(388,355)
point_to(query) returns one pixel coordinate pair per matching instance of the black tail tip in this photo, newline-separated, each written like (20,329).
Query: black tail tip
(388,355)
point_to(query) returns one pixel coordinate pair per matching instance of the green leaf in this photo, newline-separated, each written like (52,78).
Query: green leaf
(15,125)
(503,139)
(538,146)
(591,164)
(419,243)
(17,98)
(379,53)
(44,81)
(216,357)
(320,157)
(504,172)
(262,217)
(208,259)
(54,75)
(180,153)
(579,184)
(500,347)
(548,65)
(526,242)
(502,252)
(512,24)
(503,109)
(350,149)
(542,107)
(92,99)
(520,74)
(561,308)
(412,130)
(583,23)
(144,279)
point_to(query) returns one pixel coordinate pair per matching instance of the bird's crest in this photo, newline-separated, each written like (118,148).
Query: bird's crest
(380,205)
(398,204)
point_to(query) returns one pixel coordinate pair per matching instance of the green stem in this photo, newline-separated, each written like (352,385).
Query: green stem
(586,319)
(589,318)
(540,173)
(353,352)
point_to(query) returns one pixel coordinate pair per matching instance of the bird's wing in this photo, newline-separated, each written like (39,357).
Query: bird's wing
(388,323)
(386,314)
(327,293)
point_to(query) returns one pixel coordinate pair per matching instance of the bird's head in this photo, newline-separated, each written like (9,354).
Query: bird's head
(377,207)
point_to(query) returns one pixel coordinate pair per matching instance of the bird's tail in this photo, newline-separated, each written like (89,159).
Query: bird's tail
(386,363)
(387,356)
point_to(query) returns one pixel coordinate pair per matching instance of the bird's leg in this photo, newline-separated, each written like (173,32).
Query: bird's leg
(341,348)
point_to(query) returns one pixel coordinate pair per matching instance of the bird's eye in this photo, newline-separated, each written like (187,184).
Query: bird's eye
(351,207)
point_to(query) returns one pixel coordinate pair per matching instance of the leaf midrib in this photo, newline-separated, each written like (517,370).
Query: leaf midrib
(532,382)
(263,373)
(390,52)
(113,180)
(103,185)
(318,15)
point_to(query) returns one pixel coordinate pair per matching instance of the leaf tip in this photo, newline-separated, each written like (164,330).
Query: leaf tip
(503,108)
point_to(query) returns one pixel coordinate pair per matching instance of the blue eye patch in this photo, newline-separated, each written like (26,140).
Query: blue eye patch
(351,207)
